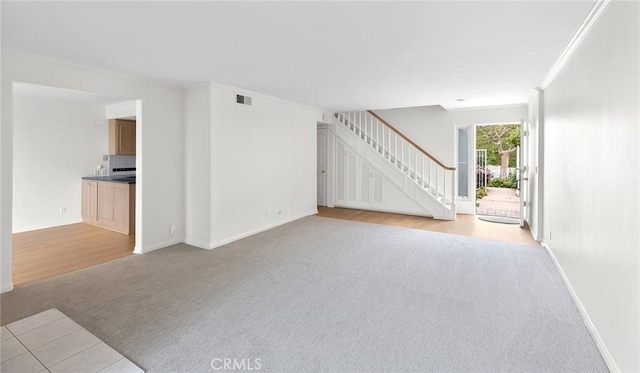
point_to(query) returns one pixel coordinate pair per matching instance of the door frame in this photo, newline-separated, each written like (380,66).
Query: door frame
(139,174)
(521,157)
(523,172)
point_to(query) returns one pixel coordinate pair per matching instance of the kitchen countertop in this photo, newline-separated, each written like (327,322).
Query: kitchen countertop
(124,179)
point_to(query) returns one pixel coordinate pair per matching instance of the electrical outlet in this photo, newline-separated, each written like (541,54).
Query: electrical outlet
(172,229)
(105,157)
(63,210)
(266,214)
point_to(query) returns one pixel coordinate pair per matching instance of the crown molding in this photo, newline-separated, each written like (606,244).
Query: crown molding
(247,92)
(488,107)
(35,57)
(576,40)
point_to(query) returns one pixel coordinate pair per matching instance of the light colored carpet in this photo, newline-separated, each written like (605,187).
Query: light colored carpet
(329,295)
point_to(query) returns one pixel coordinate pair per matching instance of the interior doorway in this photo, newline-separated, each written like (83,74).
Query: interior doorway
(61,136)
(499,172)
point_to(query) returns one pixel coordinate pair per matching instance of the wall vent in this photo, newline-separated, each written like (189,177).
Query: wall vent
(243,100)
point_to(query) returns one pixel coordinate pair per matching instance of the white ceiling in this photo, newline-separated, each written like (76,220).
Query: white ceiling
(333,55)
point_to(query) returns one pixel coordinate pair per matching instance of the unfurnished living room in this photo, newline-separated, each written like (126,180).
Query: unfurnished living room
(303,186)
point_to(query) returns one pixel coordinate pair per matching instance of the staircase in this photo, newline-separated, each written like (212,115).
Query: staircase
(426,181)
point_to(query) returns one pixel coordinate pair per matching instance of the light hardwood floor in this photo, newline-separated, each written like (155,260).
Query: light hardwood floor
(466,225)
(50,252)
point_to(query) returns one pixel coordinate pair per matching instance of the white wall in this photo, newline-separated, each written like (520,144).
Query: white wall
(55,143)
(160,147)
(197,115)
(262,166)
(120,110)
(591,183)
(431,127)
(263,161)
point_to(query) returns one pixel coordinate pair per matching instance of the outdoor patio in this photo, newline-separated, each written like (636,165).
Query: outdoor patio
(500,202)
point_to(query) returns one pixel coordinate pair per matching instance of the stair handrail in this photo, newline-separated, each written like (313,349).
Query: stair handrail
(410,142)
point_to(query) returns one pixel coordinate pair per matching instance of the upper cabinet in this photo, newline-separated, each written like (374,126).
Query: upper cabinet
(122,137)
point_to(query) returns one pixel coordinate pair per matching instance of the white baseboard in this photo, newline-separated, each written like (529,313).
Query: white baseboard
(46,226)
(390,211)
(157,246)
(209,246)
(262,229)
(196,243)
(533,232)
(606,356)
(7,288)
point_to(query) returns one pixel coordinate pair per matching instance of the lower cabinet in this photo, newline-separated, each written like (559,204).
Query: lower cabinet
(358,185)
(113,205)
(89,201)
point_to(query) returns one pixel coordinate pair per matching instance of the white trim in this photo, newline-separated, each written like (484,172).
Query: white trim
(575,41)
(157,246)
(539,235)
(37,227)
(606,356)
(488,107)
(262,229)
(468,203)
(195,243)
(389,211)
(190,87)
(6,289)
(247,92)
(90,69)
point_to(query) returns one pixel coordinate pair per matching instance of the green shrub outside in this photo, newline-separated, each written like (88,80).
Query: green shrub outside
(481,192)
(502,183)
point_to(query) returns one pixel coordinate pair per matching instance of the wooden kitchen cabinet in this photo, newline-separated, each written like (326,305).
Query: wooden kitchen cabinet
(113,206)
(122,137)
(90,201)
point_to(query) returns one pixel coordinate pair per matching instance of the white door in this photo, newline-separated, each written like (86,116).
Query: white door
(523,170)
(322,166)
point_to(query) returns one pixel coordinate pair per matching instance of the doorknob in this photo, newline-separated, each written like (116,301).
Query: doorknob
(322,171)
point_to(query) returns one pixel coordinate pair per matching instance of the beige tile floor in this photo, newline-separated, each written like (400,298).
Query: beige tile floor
(52,342)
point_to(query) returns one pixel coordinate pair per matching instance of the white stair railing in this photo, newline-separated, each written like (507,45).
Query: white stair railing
(421,167)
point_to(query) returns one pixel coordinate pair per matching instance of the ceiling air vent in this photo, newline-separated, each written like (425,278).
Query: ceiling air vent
(244,100)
